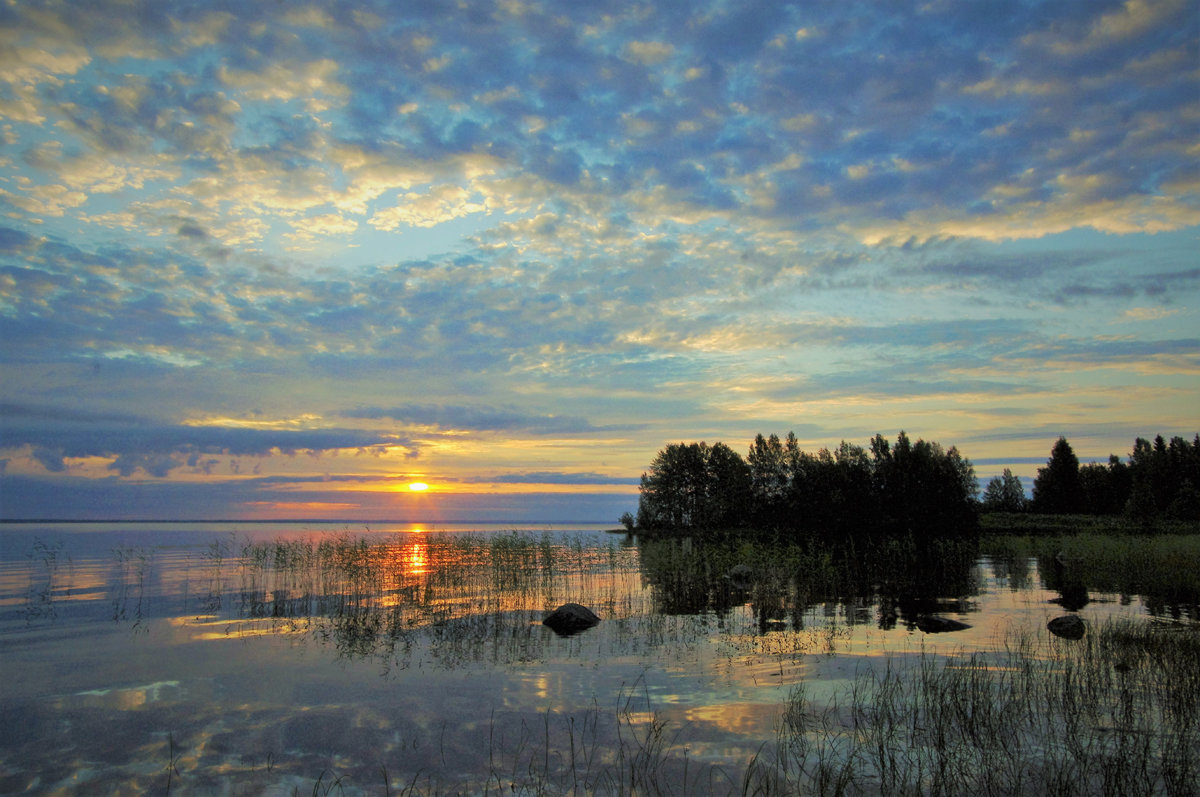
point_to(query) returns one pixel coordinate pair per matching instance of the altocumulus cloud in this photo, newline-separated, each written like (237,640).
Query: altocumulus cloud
(133,444)
(481,418)
(515,220)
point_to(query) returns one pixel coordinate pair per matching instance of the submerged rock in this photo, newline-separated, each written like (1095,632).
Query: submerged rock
(570,618)
(1069,626)
(932,624)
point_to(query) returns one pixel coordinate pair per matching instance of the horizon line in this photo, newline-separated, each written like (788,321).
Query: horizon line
(304,520)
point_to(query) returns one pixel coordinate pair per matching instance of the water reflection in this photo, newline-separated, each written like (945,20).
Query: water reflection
(304,650)
(883,581)
(1066,576)
(480,597)
(452,600)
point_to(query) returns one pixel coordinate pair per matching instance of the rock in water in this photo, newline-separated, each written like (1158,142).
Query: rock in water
(932,624)
(1069,626)
(570,618)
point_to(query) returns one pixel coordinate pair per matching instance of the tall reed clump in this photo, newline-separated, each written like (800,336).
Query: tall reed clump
(380,596)
(45,583)
(1161,568)
(1115,713)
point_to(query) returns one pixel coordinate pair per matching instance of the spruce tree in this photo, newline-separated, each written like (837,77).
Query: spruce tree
(1058,490)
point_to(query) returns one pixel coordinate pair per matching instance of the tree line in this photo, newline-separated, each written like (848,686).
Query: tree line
(902,487)
(905,487)
(1159,480)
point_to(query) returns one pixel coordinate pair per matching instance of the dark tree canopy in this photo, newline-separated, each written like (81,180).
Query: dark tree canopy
(907,487)
(1105,487)
(694,485)
(1057,488)
(911,487)
(920,484)
(1004,493)
(1159,480)
(1165,479)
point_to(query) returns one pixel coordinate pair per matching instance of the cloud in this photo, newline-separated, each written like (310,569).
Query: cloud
(314,81)
(480,418)
(554,477)
(50,460)
(72,498)
(429,208)
(132,444)
(1149,313)
(648,53)
(523,220)
(890,121)
(12,241)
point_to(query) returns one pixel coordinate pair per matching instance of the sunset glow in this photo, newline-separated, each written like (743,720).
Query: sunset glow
(271,260)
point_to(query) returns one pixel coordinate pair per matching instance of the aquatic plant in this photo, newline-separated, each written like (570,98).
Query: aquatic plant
(1161,568)
(45,582)
(370,596)
(127,584)
(1115,713)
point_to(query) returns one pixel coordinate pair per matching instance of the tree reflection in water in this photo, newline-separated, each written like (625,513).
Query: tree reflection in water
(885,580)
(465,598)
(716,631)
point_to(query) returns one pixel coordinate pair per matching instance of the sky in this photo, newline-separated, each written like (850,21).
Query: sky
(283,260)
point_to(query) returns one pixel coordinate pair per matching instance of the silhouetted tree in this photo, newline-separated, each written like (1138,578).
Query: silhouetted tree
(851,497)
(936,490)
(727,487)
(1104,488)
(1057,489)
(769,480)
(911,488)
(1120,482)
(1164,478)
(670,490)
(1186,503)
(1004,493)
(692,485)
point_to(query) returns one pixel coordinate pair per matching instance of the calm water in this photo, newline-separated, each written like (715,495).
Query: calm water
(265,659)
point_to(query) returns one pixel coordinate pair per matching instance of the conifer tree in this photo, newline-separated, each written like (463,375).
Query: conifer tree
(1057,490)
(1004,493)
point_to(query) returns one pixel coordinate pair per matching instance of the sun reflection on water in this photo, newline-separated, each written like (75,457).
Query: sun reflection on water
(439,630)
(416,559)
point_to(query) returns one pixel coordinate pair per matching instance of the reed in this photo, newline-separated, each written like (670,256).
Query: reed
(1161,568)
(46,582)
(1114,713)
(387,597)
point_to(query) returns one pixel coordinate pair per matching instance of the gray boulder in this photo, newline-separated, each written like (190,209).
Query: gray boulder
(932,624)
(1068,626)
(570,618)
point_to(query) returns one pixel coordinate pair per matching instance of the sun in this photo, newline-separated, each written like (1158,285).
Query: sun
(418,487)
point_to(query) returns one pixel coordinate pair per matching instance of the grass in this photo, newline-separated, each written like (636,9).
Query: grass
(1162,568)
(369,596)
(46,581)
(1113,714)
(1031,523)
(1117,713)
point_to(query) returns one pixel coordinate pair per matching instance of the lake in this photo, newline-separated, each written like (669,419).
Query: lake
(330,659)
